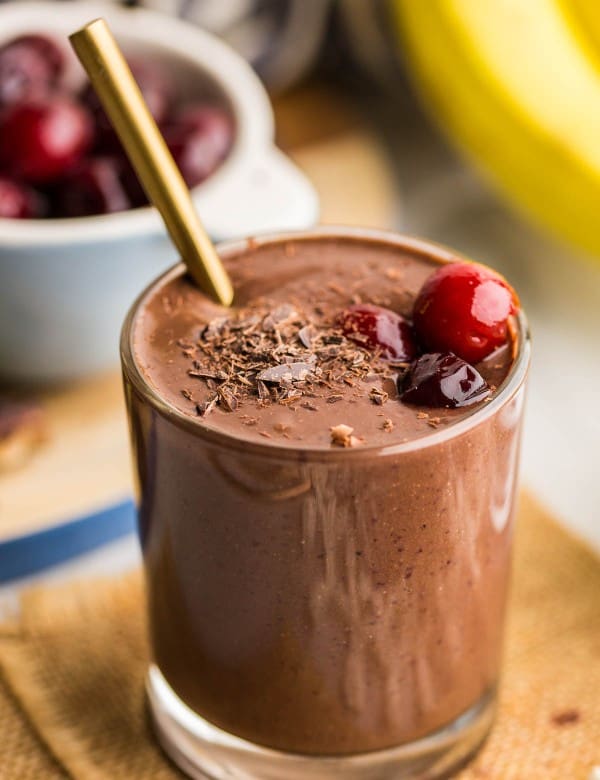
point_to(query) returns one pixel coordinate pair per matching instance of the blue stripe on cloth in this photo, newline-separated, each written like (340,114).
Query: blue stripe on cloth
(22,556)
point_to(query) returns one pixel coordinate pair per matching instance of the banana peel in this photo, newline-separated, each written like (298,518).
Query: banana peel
(517,85)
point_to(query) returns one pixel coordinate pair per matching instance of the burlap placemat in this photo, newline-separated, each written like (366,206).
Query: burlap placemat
(71,694)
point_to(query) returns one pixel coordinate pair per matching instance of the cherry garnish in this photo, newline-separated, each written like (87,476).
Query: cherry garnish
(199,138)
(30,67)
(464,308)
(374,327)
(42,140)
(20,202)
(442,379)
(93,187)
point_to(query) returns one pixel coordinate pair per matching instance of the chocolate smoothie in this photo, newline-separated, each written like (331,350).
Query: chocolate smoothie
(326,565)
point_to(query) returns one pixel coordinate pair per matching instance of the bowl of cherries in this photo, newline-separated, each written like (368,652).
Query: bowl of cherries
(78,239)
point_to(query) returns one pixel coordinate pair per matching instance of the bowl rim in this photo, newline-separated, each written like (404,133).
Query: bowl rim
(253,115)
(133,373)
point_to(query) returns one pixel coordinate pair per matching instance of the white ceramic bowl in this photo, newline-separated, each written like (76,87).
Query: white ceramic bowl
(66,284)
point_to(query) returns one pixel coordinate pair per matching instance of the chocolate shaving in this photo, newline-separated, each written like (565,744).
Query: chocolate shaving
(246,324)
(281,315)
(288,372)
(305,335)
(279,354)
(213,329)
(227,399)
(378,396)
(263,391)
(206,408)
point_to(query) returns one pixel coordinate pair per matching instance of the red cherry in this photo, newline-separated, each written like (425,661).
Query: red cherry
(94,187)
(199,138)
(442,379)
(41,141)
(30,67)
(373,326)
(20,202)
(157,93)
(464,308)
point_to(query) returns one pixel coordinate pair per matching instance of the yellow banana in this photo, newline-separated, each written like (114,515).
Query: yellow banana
(517,85)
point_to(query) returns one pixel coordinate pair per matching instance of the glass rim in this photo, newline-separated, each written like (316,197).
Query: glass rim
(216,437)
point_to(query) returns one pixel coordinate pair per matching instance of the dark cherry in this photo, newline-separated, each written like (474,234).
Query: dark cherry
(93,187)
(373,326)
(42,140)
(441,379)
(30,67)
(157,93)
(18,201)
(199,137)
(464,308)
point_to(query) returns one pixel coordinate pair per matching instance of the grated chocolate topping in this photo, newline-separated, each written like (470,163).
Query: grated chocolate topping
(281,355)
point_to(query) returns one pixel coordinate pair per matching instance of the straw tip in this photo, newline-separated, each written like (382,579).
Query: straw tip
(227,297)
(82,30)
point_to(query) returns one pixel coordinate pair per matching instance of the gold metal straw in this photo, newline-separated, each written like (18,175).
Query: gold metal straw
(146,148)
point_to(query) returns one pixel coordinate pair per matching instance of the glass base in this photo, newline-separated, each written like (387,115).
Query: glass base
(204,751)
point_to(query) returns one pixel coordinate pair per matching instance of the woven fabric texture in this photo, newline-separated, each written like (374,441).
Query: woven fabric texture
(71,685)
